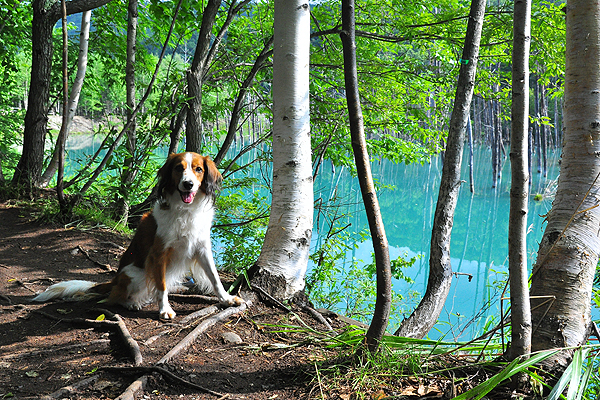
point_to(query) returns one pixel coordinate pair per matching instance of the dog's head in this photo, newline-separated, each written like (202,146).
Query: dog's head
(187,173)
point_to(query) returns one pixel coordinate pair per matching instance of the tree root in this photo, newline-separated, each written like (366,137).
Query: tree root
(130,342)
(192,298)
(268,298)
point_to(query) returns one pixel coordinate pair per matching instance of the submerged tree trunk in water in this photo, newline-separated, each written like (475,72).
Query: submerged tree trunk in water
(568,253)
(427,312)
(239,101)
(284,254)
(544,130)
(383,301)
(494,143)
(519,188)
(470,135)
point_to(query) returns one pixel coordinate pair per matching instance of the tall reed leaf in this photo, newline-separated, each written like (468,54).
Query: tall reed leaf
(572,377)
(511,369)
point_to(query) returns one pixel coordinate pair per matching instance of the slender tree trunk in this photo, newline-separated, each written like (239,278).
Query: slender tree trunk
(427,312)
(519,189)
(118,138)
(205,51)
(568,253)
(281,266)
(62,136)
(82,59)
(129,168)
(383,302)
(194,133)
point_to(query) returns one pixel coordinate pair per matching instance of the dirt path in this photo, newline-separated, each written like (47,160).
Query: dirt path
(46,347)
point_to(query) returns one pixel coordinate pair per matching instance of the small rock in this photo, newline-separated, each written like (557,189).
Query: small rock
(231,337)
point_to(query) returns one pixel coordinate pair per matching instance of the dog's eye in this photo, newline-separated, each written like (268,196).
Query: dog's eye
(198,169)
(179,168)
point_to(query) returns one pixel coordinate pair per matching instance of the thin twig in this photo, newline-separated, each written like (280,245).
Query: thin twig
(271,298)
(87,255)
(56,349)
(64,392)
(318,316)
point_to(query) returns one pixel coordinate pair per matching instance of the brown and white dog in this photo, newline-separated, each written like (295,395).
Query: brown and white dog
(171,242)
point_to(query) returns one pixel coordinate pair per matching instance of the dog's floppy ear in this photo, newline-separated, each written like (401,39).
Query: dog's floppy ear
(211,182)
(164,176)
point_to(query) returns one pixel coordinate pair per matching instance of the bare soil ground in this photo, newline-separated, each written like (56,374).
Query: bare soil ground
(49,347)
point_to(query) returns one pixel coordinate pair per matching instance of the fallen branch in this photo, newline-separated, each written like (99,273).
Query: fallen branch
(115,323)
(140,383)
(203,326)
(165,373)
(199,314)
(183,323)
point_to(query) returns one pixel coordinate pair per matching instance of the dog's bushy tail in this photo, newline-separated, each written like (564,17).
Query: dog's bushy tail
(75,290)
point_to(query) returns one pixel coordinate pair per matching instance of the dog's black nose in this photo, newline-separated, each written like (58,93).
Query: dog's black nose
(187,185)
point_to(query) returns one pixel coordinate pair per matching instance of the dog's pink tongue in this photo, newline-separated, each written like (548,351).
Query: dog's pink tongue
(187,197)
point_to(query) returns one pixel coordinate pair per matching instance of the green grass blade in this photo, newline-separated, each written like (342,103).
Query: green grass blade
(586,378)
(511,369)
(570,377)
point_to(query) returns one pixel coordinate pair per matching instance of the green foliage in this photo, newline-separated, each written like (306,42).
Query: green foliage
(346,286)
(240,225)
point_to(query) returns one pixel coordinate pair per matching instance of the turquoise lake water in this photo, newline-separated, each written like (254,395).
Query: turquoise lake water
(479,244)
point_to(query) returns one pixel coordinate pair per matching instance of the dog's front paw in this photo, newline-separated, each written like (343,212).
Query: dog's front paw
(166,313)
(233,301)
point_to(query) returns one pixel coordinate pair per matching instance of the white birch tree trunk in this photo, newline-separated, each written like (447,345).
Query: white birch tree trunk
(287,241)
(562,279)
(519,191)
